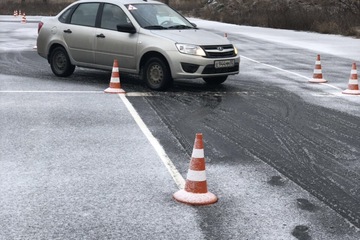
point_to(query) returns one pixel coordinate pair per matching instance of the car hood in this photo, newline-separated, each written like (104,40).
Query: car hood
(192,36)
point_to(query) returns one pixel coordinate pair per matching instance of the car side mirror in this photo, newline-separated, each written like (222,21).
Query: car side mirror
(127,27)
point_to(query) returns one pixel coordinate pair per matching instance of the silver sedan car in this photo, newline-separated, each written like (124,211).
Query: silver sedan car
(147,38)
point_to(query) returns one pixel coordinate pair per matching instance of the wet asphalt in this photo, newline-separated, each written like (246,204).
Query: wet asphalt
(75,165)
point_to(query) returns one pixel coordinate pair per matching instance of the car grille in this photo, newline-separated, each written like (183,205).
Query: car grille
(219,51)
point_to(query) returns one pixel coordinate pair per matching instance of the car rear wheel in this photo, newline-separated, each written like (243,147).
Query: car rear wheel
(215,80)
(157,74)
(60,62)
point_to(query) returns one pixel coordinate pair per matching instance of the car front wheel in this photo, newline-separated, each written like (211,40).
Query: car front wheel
(60,62)
(157,74)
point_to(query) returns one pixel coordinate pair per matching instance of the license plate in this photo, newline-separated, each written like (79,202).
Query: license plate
(224,63)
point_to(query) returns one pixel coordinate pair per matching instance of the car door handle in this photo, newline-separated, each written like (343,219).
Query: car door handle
(67,31)
(100,35)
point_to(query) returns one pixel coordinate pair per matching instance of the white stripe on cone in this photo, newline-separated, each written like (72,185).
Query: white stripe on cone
(353,82)
(317,71)
(196,176)
(198,153)
(114,80)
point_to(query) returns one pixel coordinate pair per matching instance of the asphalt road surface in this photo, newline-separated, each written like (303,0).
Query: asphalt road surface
(282,155)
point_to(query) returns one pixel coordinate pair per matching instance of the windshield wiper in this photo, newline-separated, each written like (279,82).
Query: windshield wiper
(155,27)
(180,27)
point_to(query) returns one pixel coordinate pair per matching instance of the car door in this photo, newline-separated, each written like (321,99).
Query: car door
(111,44)
(79,33)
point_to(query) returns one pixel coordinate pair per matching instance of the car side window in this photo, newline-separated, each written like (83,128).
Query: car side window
(85,14)
(113,15)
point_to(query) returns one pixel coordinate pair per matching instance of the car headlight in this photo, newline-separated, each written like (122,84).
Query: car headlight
(235,50)
(190,49)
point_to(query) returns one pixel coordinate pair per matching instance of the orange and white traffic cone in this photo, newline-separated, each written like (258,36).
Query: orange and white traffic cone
(195,191)
(115,86)
(15,13)
(353,86)
(23,19)
(317,77)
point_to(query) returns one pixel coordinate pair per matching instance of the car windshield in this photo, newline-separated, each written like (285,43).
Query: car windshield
(158,16)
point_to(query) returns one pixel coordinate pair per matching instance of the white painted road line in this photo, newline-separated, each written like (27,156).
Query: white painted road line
(179,180)
(332,86)
(139,94)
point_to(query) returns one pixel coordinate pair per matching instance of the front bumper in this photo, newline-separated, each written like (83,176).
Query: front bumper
(189,66)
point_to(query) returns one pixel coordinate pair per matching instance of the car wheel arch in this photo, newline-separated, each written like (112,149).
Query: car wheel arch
(150,55)
(51,49)
(156,72)
(60,62)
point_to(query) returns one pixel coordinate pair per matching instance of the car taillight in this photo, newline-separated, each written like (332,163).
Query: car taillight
(40,26)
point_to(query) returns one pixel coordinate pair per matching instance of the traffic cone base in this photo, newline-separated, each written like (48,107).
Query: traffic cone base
(114,90)
(317,80)
(351,92)
(195,198)
(115,86)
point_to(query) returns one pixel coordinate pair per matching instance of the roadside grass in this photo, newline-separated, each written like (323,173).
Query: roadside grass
(325,17)
(32,8)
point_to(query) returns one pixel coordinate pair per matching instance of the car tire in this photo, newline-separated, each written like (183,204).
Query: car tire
(215,80)
(157,75)
(60,62)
